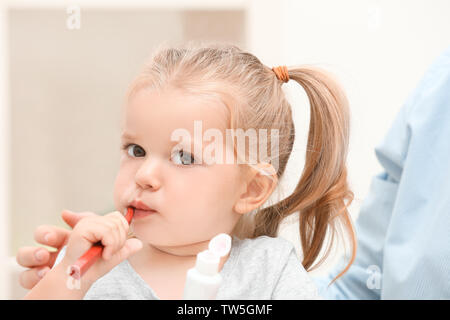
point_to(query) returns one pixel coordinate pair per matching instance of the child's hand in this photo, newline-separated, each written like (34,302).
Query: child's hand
(111,230)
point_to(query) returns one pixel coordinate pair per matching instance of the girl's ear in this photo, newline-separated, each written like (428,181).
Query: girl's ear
(258,186)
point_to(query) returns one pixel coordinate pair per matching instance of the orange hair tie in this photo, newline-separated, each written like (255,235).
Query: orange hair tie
(281,73)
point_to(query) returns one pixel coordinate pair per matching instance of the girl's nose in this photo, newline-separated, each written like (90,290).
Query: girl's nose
(148,175)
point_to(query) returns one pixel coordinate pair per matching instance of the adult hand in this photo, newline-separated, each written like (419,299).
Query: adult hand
(39,260)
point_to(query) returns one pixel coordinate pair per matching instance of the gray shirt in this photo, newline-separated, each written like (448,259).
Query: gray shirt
(260,268)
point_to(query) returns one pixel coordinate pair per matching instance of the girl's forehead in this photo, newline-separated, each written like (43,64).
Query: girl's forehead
(154,112)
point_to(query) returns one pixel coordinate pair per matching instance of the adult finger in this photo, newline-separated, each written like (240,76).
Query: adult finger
(52,236)
(32,256)
(29,278)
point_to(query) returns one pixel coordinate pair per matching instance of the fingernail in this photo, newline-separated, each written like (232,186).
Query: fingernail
(39,255)
(47,237)
(41,273)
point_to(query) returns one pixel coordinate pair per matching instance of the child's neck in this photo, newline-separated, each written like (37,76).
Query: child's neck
(160,256)
(175,254)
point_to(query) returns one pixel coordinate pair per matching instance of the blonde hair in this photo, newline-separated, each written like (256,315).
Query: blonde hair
(253,95)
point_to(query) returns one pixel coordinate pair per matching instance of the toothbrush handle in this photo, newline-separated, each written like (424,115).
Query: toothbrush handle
(90,256)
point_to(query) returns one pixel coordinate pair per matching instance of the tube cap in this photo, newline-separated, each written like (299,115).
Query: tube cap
(220,244)
(208,261)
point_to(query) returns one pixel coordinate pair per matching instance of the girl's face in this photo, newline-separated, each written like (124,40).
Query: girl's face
(194,202)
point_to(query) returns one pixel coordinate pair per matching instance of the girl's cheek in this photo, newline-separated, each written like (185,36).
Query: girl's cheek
(118,191)
(121,183)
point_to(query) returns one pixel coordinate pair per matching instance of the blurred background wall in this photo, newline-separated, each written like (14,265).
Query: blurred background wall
(61,89)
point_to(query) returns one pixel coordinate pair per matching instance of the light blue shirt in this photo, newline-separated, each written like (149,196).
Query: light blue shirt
(403,228)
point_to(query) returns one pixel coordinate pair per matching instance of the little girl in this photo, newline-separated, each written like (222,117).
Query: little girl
(184,194)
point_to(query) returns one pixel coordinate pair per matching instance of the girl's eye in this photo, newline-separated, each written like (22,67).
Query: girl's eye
(136,152)
(185,157)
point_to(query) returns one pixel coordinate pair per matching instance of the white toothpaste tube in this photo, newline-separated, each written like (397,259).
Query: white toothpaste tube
(204,280)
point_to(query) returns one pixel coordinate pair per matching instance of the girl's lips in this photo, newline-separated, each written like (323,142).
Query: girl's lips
(138,204)
(139,213)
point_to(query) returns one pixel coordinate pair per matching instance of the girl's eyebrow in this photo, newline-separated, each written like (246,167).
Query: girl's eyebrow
(127,135)
(185,143)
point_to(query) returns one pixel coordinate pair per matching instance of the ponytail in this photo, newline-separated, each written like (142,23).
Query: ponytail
(322,194)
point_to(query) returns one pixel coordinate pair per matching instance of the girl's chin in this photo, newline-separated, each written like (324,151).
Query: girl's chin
(158,239)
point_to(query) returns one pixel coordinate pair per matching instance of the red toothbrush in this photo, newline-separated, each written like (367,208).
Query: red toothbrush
(90,256)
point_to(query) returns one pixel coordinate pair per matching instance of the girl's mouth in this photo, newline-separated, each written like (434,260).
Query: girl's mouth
(141,213)
(141,210)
